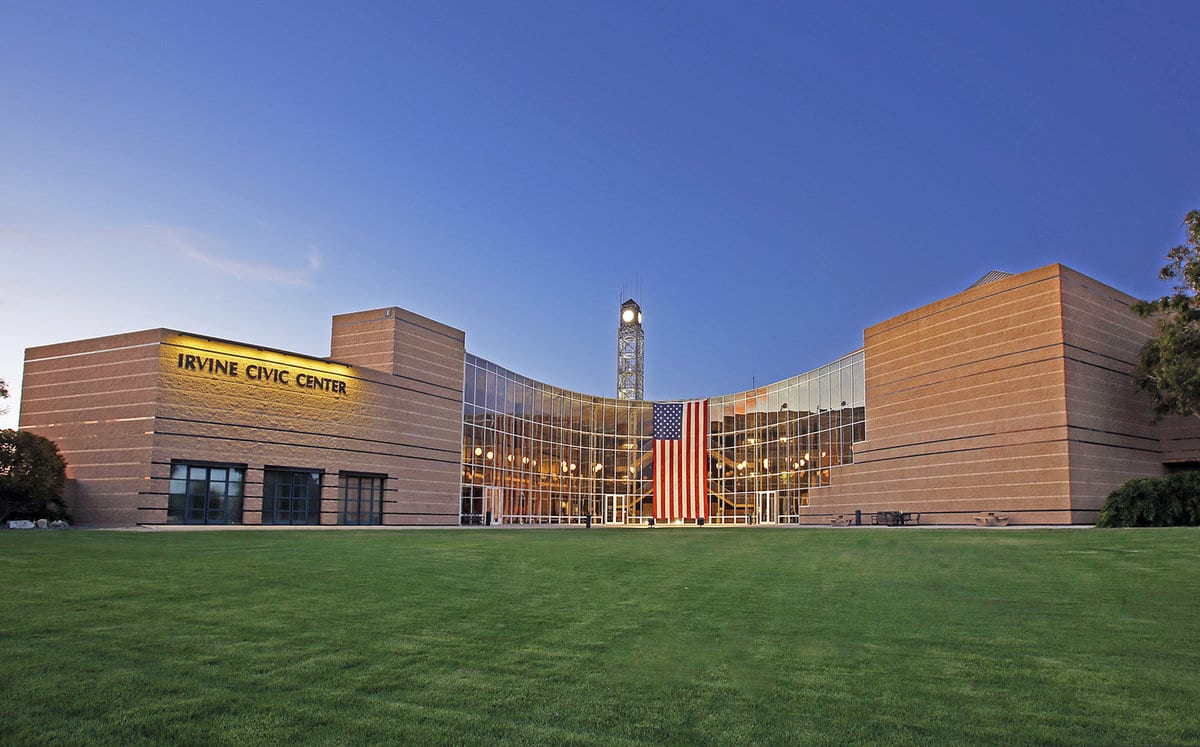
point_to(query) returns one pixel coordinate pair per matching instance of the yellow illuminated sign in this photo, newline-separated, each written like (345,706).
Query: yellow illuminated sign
(262,369)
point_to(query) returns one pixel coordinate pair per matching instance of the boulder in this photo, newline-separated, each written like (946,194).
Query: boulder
(20,524)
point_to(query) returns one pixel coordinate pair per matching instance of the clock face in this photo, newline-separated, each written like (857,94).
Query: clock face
(627,315)
(639,317)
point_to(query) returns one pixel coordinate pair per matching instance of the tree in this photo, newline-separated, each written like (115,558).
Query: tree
(32,476)
(1169,364)
(3,394)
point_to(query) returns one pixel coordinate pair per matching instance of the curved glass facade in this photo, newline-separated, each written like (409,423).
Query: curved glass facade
(535,453)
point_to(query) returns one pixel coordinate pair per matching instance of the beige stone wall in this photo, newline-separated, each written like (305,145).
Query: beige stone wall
(966,409)
(96,400)
(1179,438)
(123,408)
(423,369)
(1112,434)
(401,343)
(1014,397)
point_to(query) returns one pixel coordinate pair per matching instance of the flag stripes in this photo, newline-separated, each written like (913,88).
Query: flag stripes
(681,460)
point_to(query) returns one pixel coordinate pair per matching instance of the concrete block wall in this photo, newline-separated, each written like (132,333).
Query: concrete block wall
(1014,397)
(1111,430)
(423,395)
(124,408)
(966,409)
(96,399)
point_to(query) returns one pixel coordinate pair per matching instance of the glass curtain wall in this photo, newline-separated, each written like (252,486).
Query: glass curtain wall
(534,453)
(770,446)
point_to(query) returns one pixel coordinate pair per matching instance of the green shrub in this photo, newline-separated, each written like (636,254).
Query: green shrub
(32,476)
(1170,501)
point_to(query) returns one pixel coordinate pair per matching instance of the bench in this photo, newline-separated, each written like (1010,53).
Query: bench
(895,518)
(886,518)
(991,519)
(841,520)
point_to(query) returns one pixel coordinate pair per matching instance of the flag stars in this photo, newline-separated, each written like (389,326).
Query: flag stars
(668,421)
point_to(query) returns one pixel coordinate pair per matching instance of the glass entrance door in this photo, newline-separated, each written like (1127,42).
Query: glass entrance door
(493,506)
(614,509)
(766,507)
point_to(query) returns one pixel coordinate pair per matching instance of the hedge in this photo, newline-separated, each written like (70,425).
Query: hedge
(1171,501)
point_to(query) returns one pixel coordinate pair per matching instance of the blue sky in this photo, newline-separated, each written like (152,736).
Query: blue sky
(771,177)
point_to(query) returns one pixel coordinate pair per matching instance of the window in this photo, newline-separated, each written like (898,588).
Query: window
(362,499)
(291,496)
(205,493)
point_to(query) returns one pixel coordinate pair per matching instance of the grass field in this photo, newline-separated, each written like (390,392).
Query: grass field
(616,636)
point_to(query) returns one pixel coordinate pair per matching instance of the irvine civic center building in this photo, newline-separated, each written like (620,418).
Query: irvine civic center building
(1012,397)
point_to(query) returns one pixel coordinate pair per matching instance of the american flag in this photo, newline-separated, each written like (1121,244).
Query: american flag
(681,460)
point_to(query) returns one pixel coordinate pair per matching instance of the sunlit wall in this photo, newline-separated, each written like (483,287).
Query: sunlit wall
(534,453)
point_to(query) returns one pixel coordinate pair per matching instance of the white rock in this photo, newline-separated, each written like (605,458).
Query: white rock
(20,524)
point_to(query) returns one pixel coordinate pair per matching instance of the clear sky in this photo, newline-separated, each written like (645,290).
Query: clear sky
(771,178)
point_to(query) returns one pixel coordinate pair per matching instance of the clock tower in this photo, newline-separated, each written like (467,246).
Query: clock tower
(630,352)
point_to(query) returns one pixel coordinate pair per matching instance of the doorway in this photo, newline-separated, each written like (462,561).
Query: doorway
(493,506)
(614,509)
(766,507)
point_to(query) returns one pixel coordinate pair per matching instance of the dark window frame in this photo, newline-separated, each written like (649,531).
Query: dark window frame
(280,498)
(374,512)
(226,507)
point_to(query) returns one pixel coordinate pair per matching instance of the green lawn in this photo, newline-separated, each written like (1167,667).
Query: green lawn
(711,636)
